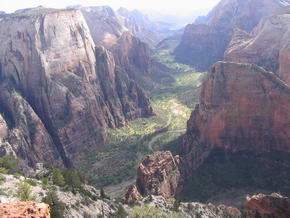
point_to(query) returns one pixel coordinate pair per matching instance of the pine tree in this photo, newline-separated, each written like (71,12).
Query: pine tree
(72,179)
(57,207)
(57,177)
(103,194)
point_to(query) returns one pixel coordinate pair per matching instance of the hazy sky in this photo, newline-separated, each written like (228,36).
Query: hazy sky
(179,6)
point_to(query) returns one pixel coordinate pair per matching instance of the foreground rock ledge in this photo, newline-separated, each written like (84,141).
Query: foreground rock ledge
(24,209)
(158,174)
(264,206)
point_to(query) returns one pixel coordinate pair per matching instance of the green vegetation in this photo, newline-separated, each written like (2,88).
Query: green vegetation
(226,171)
(69,80)
(152,212)
(57,177)
(120,213)
(31,182)
(57,207)
(72,179)
(24,192)
(9,164)
(103,194)
(115,165)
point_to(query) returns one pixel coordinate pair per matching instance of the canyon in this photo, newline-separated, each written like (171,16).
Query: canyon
(110,94)
(204,43)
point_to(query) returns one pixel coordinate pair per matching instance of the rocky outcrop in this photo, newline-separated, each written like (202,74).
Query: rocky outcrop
(242,107)
(58,92)
(24,209)
(133,194)
(204,44)
(158,174)
(264,206)
(266,46)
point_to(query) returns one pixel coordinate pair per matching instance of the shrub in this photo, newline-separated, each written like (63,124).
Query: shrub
(72,179)
(120,213)
(87,193)
(103,194)
(24,192)
(10,163)
(57,207)
(153,212)
(57,177)
(2,179)
(31,182)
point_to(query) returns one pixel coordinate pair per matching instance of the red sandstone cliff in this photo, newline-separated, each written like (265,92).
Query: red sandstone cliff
(204,44)
(242,107)
(158,174)
(266,46)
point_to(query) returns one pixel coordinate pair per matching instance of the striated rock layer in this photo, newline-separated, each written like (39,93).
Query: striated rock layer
(242,107)
(24,209)
(158,174)
(204,44)
(58,92)
(266,46)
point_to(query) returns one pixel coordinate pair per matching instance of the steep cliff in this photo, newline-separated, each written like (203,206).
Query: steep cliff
(129,51)
(242,107)
(105,25)
(58,91)
(266,46)
(204,44)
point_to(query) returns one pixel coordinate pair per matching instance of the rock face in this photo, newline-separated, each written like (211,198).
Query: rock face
(158,174)
(204,44)
(242,107)
(105,25)
(141,26)
(266,46)
(133,194)
(264,206)
(24,209)
(130,52)
(58,92)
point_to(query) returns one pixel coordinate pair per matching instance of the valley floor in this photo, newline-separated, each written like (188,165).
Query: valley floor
(114,167)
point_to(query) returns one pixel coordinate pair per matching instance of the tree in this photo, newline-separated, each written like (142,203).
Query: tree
(72,179)
(10,163)
(120,213)
(24,192)
(102,193)
(57,177)
(57,207)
